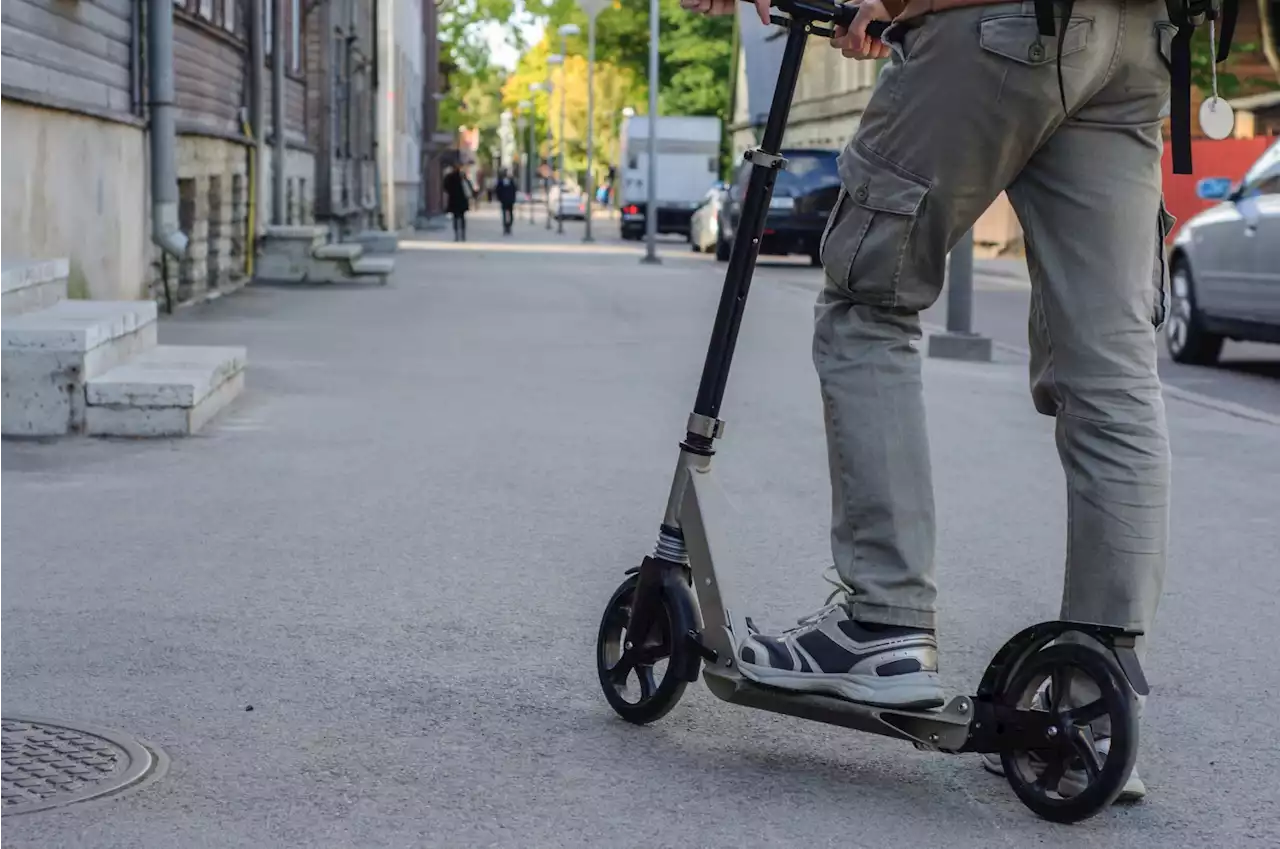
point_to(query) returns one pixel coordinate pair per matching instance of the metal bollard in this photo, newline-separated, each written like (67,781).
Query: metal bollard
(959,342)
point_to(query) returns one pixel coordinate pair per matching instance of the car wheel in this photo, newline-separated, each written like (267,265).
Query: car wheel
(1187,340)
(722,249)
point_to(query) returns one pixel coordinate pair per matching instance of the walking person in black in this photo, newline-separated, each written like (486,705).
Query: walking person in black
(505,190)
(457,193)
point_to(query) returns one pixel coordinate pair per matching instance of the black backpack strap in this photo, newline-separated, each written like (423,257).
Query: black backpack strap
(1180,82)
(1046,27)
(1230,11)
(1044,16)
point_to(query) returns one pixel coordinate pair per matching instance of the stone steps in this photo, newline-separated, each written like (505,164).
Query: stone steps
(30,286)
(72,366)
(302,254)
(171,390)
(50,353)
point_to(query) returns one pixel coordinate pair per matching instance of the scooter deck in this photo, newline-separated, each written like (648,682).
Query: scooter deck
(946,729)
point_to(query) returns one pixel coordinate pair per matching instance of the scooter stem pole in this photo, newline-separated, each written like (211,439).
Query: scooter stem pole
(746,241)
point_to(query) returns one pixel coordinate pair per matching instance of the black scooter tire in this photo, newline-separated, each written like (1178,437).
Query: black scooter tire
(674,622)
(1116,701)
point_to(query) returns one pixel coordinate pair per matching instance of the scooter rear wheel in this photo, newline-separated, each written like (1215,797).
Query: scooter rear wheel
(1068,780)
(640,678)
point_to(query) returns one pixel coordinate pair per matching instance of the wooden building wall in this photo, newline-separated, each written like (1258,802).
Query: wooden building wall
(72,54)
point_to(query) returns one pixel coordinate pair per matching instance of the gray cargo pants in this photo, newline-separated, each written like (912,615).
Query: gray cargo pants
(969,106)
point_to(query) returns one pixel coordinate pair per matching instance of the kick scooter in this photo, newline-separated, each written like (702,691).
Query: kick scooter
(669,611)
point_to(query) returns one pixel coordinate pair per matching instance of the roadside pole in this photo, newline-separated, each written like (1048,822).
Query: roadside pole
(959,342)
(651,205)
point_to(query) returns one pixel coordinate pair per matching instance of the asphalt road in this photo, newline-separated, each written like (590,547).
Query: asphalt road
(397,545)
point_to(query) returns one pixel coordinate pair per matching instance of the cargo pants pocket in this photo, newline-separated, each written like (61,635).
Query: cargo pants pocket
(1160,300)
(865,247)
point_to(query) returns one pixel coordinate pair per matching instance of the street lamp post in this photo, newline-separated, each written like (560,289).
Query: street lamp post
(526,117)
(552,61)
(592,8)
(651,206)
(527,159)
(565,31)
(533,147)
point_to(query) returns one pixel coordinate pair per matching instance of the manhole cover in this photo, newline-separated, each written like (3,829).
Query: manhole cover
(50,764)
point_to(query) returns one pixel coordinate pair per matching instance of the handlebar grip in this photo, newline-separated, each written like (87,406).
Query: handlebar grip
(832,11)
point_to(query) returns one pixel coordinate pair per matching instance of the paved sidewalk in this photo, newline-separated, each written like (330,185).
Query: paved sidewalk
(396,547)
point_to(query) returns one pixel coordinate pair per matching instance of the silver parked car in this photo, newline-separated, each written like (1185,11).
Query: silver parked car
(1225,266)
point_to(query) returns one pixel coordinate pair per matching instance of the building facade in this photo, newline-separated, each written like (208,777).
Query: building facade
(75,154)
(78,118)
(830,96)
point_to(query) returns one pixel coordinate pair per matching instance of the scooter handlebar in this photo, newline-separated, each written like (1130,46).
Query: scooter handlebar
(826,11)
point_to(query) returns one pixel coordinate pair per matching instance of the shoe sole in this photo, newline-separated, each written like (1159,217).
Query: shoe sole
(916,691)
(1134,790)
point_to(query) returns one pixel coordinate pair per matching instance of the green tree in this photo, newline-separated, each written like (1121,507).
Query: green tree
(615,88)
(474,94)
(694,51)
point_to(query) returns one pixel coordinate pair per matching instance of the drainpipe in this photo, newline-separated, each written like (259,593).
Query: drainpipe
(277,109)
(373,120)
(257,63)
(165,231)
(256,129)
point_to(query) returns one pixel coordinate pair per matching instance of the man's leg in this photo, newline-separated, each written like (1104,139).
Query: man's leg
(1091,208)
(910,190)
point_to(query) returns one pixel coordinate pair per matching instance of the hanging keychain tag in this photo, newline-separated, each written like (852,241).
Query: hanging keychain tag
(1217,119)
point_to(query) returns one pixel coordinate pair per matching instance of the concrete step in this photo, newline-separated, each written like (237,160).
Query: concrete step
(377,241)
(286,252)
(50,353)
(311,234)
(33,285)
(380,266)
(338,250)
(171,390)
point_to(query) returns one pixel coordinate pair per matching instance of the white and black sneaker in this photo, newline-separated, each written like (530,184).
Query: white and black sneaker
(830,653)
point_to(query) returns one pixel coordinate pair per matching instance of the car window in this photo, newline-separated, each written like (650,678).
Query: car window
(1269,186)
(1264,177)
(807,173)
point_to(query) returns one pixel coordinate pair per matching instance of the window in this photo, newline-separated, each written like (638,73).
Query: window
(1264,177)
(220,13)
(807,173)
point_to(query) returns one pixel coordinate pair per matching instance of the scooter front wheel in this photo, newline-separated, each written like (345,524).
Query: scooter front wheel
(640,674)
(1071,777)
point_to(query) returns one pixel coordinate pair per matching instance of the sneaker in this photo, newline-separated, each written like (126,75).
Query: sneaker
(1073,781)
(830,653)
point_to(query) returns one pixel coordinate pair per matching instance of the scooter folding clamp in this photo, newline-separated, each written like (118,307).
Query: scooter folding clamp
(705,426)
(756,156)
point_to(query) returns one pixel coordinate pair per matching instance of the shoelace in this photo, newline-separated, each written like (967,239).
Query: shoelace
(832,577)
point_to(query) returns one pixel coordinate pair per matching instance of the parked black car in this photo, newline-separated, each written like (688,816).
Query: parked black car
(802,199)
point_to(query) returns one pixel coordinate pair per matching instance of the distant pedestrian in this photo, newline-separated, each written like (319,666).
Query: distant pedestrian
(505,189)
(458,192)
